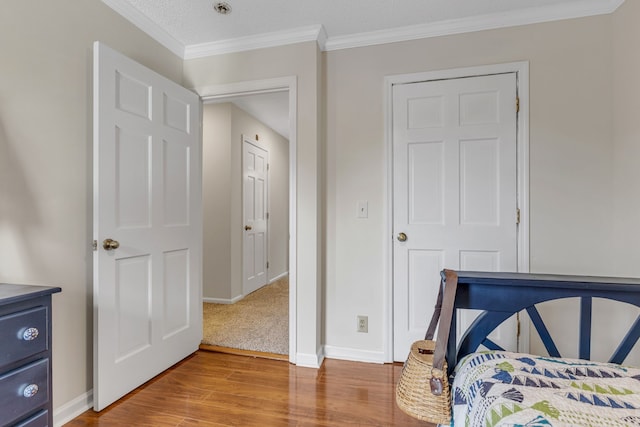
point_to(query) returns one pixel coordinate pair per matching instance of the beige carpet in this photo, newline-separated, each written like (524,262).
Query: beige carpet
(258,322)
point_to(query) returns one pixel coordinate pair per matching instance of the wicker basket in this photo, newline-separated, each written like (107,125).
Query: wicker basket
(423,390)
(414,391)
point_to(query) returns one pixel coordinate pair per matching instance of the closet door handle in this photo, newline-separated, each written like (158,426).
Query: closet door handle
(247,227)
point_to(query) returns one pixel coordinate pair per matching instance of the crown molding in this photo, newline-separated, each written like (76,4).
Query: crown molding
(318,34)
(152,29)
(259,41)
(476,23)
(322,38)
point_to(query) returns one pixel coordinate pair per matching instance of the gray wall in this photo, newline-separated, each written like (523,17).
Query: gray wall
(46,160)
(570,156)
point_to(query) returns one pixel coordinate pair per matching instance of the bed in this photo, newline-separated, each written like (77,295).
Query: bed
(495,387)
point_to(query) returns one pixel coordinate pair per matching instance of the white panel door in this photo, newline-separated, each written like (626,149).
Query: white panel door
(255,161)
(454,190)
(147,197)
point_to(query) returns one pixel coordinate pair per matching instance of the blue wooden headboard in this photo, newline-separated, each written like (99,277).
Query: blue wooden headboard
(502,295)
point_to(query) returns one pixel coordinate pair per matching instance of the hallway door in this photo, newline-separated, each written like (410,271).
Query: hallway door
(255,165)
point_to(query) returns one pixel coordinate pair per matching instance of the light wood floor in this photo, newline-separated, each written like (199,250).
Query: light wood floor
(216,389)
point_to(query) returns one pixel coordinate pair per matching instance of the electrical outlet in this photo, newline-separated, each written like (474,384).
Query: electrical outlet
(363,324)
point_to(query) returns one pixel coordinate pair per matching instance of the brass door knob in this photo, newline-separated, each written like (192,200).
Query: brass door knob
(247,227)
(110,244)
(402,237)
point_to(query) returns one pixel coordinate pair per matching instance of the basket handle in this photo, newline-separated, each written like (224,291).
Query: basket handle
(444,313)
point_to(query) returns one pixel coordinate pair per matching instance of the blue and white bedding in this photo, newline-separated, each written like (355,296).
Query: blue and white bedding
(512,389)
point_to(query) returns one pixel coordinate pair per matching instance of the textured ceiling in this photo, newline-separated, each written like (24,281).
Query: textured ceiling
(194,22)
(191,28)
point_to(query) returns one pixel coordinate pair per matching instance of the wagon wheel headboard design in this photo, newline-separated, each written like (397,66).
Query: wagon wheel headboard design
(501,295)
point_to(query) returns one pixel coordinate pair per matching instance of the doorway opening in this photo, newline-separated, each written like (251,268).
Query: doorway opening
(255,114)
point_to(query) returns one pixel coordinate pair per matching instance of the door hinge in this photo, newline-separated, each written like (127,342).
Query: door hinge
(518,216)
(95,245)
(267,215)
(267,166)
(267,264)
(517,104)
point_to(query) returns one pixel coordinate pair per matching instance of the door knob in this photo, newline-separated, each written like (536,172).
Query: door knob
(402,237)
(247,227)
(110,244)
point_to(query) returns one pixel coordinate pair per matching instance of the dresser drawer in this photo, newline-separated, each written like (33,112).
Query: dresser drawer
(23,334)
(23,390)
(41,419)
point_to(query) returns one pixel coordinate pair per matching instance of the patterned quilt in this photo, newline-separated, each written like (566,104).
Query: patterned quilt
(513,389)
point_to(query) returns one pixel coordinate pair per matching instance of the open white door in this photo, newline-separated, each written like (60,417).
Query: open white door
(255,165)
(147,200)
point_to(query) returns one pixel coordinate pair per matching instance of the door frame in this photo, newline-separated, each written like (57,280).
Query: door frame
(255,87)
(522,78)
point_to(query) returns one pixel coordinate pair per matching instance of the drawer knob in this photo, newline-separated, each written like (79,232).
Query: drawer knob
(30,334)
(30,390)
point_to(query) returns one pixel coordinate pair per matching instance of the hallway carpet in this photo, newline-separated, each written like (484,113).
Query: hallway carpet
(258,322)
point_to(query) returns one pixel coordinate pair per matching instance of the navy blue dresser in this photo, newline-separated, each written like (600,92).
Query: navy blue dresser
(25,355)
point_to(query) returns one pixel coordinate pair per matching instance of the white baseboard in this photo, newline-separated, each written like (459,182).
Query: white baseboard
(355,355)
(223,300)
(308,360)
(239,297)
(278,277)
(72,409)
